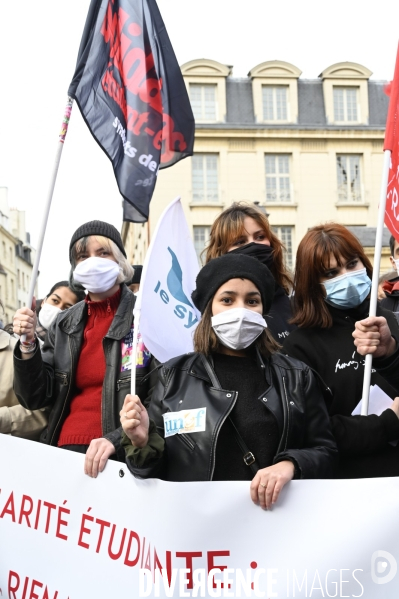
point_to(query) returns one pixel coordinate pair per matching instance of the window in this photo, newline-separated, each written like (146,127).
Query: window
(285,236)
(4,250)
(205,177)
(345,104)
(275,102)
(278,188)
(12,289)
(348,178)
(201,238)
(203,101)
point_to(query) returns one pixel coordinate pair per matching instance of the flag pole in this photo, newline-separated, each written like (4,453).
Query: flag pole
(62,135)
(374,283)
(137,305)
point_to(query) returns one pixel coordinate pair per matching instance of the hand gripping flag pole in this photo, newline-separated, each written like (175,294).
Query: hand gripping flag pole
(374,282)
(46,211)
(387,212)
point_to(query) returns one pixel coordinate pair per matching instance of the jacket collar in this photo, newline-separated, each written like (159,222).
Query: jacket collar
(72,318)
(202,367)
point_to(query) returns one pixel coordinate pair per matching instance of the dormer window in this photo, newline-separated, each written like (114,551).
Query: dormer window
(203,102)
(275,102)
(345,104)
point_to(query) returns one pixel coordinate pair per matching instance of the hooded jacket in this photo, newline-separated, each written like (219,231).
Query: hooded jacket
(363,442)
(47,379)
(189,382)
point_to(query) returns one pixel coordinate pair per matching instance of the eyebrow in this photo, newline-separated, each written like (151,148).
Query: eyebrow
(56,295)
(251,293)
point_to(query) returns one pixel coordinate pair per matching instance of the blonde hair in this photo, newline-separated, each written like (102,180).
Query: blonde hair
(126,271)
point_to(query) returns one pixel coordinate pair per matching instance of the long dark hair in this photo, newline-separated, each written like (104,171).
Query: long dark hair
(312,262)
(79,293)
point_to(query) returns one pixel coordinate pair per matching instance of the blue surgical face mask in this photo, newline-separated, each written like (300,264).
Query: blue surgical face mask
(348,290)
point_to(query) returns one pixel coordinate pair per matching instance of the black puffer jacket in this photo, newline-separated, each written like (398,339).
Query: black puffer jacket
(47,379)
(189,382)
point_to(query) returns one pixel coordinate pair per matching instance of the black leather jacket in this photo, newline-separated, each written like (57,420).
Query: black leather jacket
(189,382)
(47,379)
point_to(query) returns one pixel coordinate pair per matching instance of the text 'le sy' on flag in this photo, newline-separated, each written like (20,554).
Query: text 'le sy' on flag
(164,308)
(131,93)
(391,143)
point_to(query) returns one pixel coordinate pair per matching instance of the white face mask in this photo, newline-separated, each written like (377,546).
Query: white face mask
(238,328)
(47,314)
(96,274)
(396,265)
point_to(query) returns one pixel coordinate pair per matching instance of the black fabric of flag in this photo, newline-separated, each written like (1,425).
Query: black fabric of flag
(131,93)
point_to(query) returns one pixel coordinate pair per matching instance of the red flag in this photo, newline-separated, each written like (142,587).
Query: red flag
(392,143)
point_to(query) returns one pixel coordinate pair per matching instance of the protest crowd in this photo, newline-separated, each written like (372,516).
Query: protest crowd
(251,408)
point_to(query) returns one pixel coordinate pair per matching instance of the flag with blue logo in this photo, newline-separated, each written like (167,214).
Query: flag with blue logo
(164,307)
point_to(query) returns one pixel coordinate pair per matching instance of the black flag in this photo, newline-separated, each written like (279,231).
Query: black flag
(131,93)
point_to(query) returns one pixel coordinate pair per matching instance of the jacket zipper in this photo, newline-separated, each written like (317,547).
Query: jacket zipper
(288,414)
(120,383)
(217,434)
(67,394)
(187,441)
(63,377)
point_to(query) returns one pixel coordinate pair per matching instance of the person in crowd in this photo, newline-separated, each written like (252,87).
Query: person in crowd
(134,284)
(391,285)
(244,229)
(14,419)
(60,297)
(386,276)
(82,373)
(242,411)
(332,285)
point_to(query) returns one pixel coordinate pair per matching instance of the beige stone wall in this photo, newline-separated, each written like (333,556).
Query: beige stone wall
(241,170)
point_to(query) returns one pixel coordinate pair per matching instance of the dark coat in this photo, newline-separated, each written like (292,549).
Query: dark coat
(47,379)
(363,441)
(189,382)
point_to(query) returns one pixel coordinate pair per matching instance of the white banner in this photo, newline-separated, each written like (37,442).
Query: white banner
(168,316)
(67,536)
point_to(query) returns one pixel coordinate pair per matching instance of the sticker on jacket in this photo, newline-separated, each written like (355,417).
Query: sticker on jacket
(186,421)
(143,355)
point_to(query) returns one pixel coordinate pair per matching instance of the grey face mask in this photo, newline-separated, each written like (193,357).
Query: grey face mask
(238,328)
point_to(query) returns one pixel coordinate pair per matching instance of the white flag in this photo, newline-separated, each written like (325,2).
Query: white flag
(168,317)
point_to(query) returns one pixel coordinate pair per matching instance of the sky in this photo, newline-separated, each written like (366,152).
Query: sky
(39,42)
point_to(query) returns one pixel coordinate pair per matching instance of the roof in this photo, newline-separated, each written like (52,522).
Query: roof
(366,235)
(311,111)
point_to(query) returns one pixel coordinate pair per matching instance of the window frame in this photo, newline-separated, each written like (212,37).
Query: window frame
(288,253)
(349,199)
(279,176)
(205,194)
(202,87)
(274,87)
(345,89)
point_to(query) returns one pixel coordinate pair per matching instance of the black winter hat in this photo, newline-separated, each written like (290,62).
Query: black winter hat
(97,227)
(233,266)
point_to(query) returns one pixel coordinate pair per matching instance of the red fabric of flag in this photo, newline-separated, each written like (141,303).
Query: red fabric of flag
(392,143)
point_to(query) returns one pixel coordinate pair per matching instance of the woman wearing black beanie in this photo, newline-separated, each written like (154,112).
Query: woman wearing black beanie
(234,409)
(83,371)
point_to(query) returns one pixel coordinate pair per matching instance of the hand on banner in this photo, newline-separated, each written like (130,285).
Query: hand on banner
(373,336)
(97,456)
(268,482)
(24,322)
(135,421)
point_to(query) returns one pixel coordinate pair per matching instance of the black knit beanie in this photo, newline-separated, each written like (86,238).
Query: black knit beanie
(97,227)
(233,266)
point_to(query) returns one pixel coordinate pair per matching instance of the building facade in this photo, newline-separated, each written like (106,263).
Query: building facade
(305,151)
(16,259)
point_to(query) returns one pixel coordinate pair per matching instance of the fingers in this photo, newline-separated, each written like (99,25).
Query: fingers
(97,456)
(268,482)
(24,323)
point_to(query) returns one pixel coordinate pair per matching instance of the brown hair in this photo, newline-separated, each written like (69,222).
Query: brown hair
(206,342)
(229,226)
(312,262)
